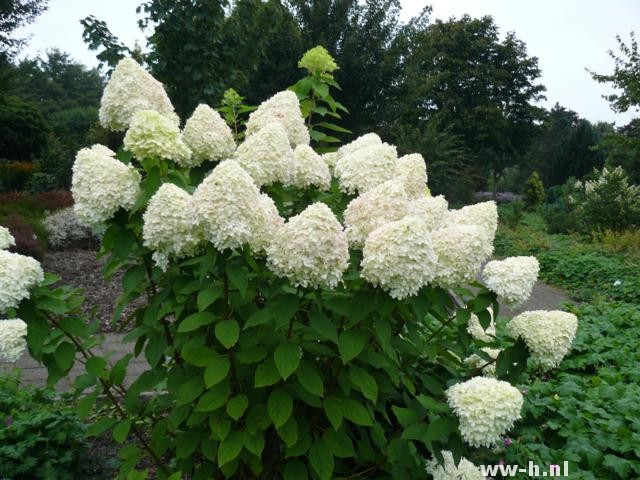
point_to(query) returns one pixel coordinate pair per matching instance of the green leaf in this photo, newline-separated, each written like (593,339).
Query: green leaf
(97,366)
(287,358)
(239,278)
(356,413)
(217,370)
(190,390)
(321,460)
(98,428)
(85,404)
(340,444)
(121,431)
(237,406)
(439,429)
(295,471)
(198,356)
(364,382)
(214,398)
(74,326)
(350,344)
(323,325)
(65,355)
(227,332)
(289,432)
(195,321)
(266,374)
(119,370)
(310,378)
(405,416)
(230,448)
(209,295)
(259,318)
(133,277)
(333,411)
(286,307)
(279,407)
(254,443)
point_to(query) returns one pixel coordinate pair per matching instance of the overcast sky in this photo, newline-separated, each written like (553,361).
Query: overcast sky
(566,35)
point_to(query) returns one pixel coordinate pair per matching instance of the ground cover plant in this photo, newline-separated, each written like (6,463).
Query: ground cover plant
(303,315)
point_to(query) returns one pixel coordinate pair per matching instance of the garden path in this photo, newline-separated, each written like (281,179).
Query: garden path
(543,297)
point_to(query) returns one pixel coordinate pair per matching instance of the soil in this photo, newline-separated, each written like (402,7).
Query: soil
(82,269)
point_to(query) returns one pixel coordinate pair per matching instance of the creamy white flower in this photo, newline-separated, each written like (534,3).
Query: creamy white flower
(476,331)
(366,168)
(283,108)
(461,249)
(484,214)
(152,135)
(18,275)
(412,170)
(449,471)
(487,408)
(12,339)
(308,169)
(231,210)
(548,335)
(399,257)
(129,90)
(6,239)
(512,278)
(208,136)
(311,249)
(366,140)
(432,210)
(476,361)
(330,158)
(170,227)
(266,155)
(383,204)
(101,185)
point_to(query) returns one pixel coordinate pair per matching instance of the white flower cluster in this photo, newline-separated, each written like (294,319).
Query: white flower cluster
(6,239)
(366,168)
(65,230)
(311,249)
(548,335)
(366,140)
(486,408)
(266,155)
(383,204)
(476,361)
(412,170)
(461,249)
(152,135)
(432,210)
(12,339)
(169,225)
(308,169)
(449,471)
(476,331)
(484,215)
(232,211)
(330,158)
(129,90)
(283,108)
(512,278)
(208,136)
(399,257)
(101,185)
(18,275)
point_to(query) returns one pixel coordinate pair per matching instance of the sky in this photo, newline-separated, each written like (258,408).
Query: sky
(567,36)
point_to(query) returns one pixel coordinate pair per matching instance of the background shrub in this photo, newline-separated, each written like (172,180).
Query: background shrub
(15,175)
(533,191)
(28,242)
(41,182)
(64,230)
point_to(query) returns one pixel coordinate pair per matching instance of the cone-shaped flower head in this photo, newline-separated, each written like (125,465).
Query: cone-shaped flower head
(283,108)
(169,225)
(330,158)
(266,155)
(366,140)
(152,135)
(484,214)
(548,335)
(309,169)
(487,408)
(366,168)
(461,249)
(129,90)
(399,257)
(512,278)
(465,470)
(412,170)
(18,275)
(476,361)
(6,239)
(231,210)
(318,59)
(12,339)
(208,136)
(432,210)
(311,249)
(101,185)
(383,204)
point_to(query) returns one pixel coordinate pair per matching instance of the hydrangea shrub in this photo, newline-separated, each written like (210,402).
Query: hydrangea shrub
(297,324)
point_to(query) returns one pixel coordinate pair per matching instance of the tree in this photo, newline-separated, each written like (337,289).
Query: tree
(13,15)
(24,130)
(460,72)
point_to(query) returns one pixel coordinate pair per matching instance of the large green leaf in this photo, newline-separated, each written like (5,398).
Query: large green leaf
(364,381)
(279,407)
(321,460)
(350,344)
(230,447)
(227,332)
(287,358)
(195,321)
